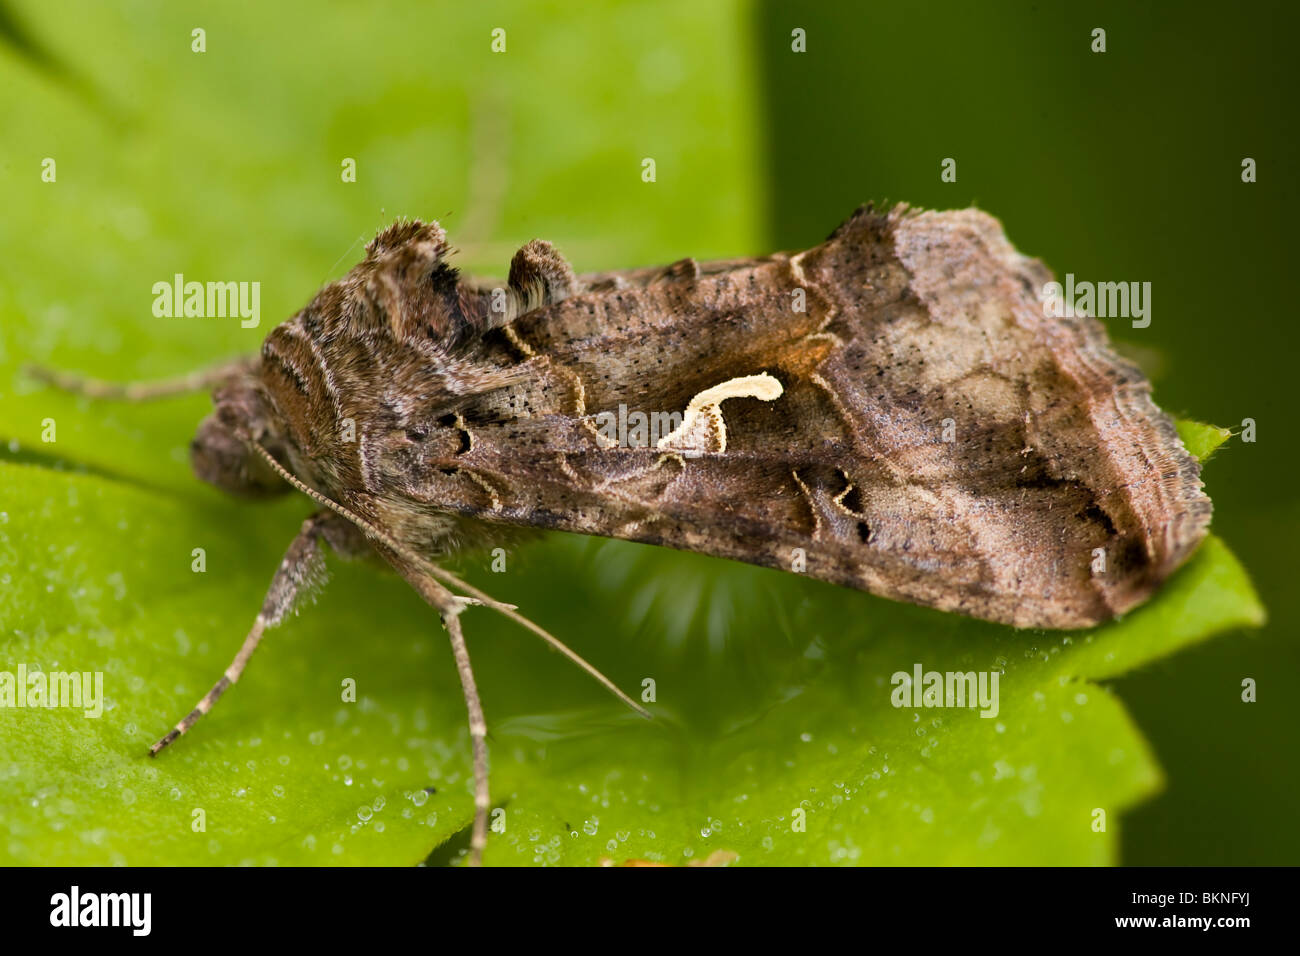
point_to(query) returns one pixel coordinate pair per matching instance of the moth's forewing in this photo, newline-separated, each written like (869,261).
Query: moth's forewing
(940,438)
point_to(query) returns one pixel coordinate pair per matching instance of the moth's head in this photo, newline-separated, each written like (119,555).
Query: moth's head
(220,452)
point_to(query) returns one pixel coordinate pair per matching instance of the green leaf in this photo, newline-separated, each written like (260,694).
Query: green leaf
(741,745)
(772,692)
(1200,439)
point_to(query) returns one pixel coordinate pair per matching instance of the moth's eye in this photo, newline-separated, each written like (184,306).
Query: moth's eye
(418,433)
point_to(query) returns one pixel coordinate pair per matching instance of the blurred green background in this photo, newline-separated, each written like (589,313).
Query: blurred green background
(1119,165)
(1123,165)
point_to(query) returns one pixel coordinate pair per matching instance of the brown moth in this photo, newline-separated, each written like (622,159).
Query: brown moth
(891,410)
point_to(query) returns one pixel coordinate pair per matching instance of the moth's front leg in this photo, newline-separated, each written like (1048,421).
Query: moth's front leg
(302,569)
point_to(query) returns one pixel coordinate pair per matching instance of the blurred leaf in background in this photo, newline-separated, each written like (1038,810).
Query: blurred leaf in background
(1117,166)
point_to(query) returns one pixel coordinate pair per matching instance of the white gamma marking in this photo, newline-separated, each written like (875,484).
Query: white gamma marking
(702,427)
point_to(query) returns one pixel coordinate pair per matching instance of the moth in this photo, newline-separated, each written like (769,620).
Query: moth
(891,410)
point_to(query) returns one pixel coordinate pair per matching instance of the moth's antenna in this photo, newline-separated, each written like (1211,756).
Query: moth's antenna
(378,534)
(446,576)
(139,391)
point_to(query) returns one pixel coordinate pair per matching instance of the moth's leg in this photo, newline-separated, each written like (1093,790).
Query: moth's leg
(540,275)
(301,569)
(449,607)
(195,381)
(508,610)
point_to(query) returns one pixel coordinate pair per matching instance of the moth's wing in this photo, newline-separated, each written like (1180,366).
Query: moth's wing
(939,439)
(783,510)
